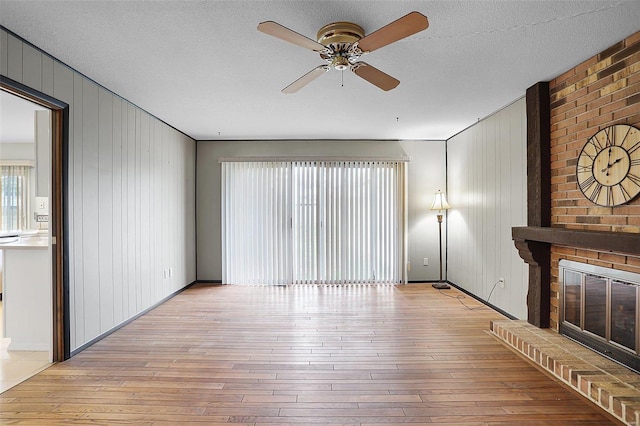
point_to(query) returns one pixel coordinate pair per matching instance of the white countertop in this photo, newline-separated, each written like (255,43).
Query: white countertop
(38,241)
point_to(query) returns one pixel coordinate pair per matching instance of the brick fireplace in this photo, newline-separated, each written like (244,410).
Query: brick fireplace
(602,91)
(562,224)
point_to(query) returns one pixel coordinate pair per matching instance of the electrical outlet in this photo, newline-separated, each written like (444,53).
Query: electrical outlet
(501,281)
(425,262)
(42,205)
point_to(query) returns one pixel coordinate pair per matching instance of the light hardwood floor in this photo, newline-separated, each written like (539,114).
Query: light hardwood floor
(325,355)
(17,366)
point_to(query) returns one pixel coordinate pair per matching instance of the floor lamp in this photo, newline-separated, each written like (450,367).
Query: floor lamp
(440,203)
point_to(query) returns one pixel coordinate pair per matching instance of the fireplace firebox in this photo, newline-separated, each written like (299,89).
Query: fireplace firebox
(600,309)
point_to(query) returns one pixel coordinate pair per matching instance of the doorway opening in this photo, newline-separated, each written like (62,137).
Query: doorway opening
(57,216)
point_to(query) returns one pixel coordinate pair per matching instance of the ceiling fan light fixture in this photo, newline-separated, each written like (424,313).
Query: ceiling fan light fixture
(340,63)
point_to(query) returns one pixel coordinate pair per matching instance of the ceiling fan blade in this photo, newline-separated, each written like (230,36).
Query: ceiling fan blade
(397,30)
(375,76)
(306,79)
(276,30)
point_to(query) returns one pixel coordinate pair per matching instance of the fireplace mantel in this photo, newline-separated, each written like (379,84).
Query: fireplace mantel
(533,244)
(617,242)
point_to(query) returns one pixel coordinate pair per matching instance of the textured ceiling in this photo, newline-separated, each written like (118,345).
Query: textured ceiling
(202,66)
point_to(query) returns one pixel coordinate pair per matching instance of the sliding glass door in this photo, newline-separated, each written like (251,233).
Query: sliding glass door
(313,222)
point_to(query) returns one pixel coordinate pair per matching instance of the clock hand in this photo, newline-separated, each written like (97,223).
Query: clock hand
(619,159)
(610,165)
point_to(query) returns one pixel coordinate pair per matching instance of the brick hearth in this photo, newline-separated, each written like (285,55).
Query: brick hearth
(614,388)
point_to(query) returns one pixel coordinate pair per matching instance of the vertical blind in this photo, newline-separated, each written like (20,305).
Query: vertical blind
(313,222)
(14,197)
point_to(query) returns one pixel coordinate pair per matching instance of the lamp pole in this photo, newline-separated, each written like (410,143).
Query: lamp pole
(440,203)
(440,241)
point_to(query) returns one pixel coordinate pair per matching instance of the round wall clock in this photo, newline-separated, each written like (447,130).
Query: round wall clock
(608,170)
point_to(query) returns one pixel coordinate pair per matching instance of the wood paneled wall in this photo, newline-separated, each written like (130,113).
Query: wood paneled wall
(486,184)
(131,194)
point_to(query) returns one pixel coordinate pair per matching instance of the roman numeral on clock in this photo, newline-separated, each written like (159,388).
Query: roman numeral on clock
(596,192)
(611,137)
(596,143)
(585,169)
(625,193)
(609,196)
(587,183)
(626,134)
(633,178)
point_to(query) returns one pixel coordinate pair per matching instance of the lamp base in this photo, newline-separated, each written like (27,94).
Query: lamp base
(441,286)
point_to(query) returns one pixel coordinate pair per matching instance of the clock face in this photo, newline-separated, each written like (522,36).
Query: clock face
(608,170)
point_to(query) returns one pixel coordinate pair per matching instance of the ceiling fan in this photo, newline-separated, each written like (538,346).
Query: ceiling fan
(341,44)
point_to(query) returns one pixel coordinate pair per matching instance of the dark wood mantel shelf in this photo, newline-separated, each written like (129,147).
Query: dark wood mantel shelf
(533,244)
(618,242)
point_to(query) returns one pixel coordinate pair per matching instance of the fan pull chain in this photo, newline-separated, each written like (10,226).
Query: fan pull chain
(342,77)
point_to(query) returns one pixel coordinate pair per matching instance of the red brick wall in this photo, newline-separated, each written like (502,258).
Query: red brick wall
(601,91)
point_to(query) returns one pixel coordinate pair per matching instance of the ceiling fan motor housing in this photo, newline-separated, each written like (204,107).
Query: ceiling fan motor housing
(340,32)
(339,37)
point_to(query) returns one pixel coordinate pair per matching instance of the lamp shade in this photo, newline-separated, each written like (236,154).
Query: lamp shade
(440,202)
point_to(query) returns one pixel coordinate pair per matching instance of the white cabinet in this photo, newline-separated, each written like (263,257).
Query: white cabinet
(27,295)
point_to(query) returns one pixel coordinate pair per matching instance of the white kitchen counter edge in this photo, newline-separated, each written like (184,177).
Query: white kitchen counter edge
(27,244)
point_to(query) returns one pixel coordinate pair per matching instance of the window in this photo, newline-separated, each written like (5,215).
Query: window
(14,197)
(313,222)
